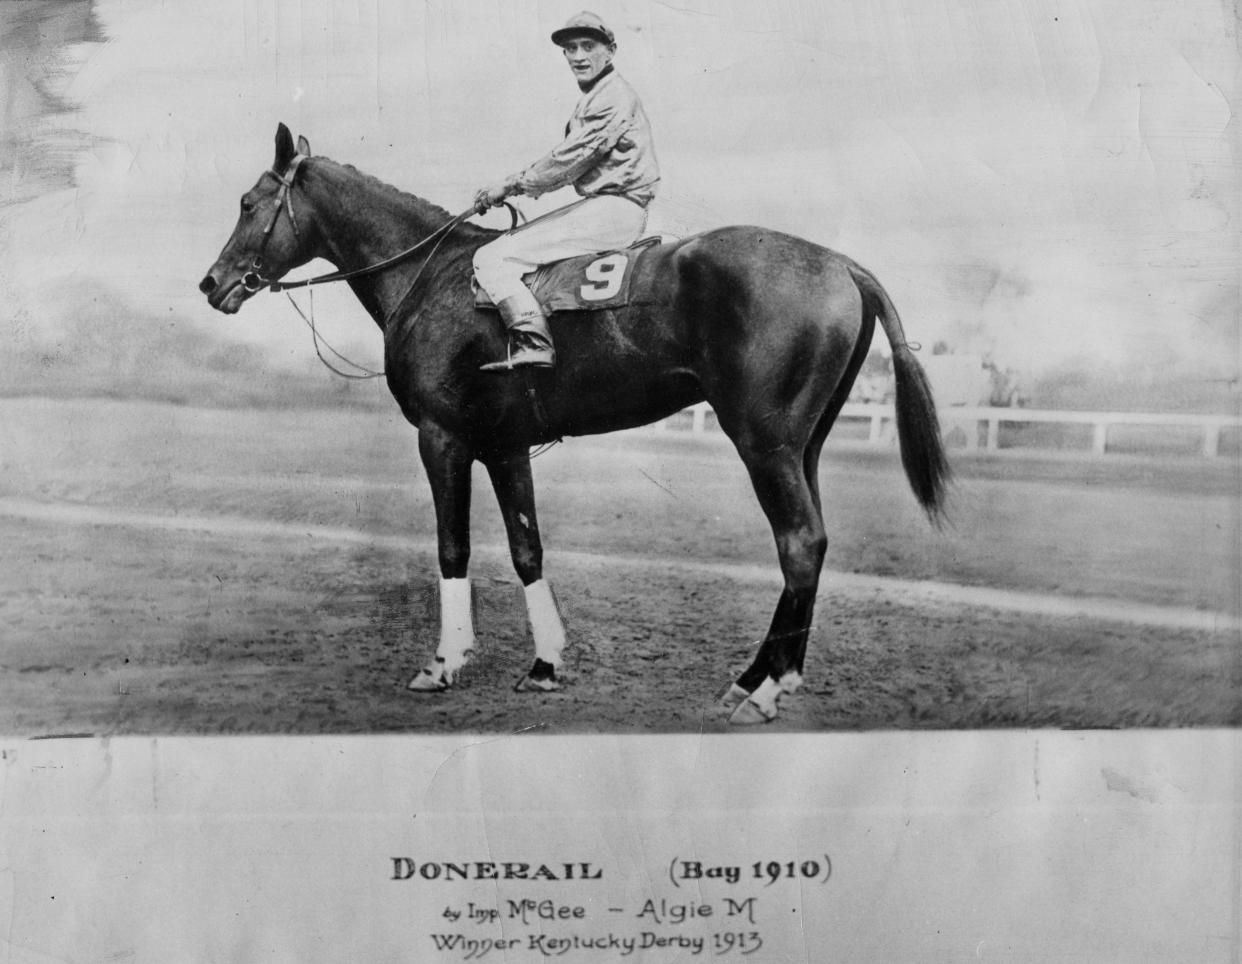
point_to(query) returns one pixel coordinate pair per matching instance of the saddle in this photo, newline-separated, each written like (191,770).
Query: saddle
(588,282)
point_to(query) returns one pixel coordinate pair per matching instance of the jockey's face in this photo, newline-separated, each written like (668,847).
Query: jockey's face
(587,57)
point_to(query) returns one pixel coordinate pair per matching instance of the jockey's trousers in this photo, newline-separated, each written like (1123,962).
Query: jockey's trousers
(603,222)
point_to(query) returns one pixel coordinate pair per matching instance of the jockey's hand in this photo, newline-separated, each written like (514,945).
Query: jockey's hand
(490,197)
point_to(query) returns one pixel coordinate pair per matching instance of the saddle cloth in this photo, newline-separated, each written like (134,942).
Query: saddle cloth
(587,282)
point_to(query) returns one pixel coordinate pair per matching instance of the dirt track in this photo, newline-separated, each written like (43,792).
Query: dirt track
(120,618)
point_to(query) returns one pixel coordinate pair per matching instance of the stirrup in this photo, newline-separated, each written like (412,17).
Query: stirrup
(525,356)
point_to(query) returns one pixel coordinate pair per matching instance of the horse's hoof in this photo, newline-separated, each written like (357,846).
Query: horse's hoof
(428,681)
(435,678)
(750,713)
(540,679)
(733,697)
(759,706)
(529,684)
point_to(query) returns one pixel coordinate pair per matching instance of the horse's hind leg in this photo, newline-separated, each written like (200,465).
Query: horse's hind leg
(815,447)
(780,482)
(515,491)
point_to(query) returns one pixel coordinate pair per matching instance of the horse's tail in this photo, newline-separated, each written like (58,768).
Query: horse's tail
(918,429)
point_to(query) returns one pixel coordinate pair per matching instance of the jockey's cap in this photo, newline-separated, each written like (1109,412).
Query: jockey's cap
(585,24)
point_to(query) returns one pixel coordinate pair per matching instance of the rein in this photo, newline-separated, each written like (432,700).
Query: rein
(443,230)
(253,281)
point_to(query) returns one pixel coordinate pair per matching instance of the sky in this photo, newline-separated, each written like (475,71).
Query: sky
(1051,182)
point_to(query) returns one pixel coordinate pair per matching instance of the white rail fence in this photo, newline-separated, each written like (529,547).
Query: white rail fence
(969,421)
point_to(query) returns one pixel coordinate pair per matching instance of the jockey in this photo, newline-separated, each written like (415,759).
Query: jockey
(607,155)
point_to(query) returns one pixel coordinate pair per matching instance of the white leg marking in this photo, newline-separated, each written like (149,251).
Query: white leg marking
(760,706)
(790,682)
(456,638)
(545,622)
(456,623)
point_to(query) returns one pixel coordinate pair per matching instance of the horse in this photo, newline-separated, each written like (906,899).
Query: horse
(768,328)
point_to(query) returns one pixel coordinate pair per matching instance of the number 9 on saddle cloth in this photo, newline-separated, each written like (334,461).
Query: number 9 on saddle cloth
(587,282)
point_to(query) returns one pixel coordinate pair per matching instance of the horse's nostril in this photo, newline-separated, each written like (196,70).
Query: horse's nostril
(207,285)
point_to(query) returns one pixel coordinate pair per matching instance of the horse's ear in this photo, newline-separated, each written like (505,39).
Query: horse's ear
(304,147)
(284,149)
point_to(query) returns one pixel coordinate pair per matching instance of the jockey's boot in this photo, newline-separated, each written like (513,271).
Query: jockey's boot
(530,342)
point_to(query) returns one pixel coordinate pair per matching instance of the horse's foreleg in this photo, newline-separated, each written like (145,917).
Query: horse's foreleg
(785,496)
(447,461)
(515,491)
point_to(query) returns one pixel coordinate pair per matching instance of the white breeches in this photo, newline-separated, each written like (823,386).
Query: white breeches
(600,223)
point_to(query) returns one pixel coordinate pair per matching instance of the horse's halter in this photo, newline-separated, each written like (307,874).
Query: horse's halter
(252,280)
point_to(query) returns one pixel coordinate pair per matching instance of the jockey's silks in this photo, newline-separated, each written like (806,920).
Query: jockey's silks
(608,147)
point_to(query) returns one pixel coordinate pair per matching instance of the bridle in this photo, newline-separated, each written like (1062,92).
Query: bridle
(252,280)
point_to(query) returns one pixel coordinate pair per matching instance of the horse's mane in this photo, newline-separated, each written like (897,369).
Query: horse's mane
(399,199)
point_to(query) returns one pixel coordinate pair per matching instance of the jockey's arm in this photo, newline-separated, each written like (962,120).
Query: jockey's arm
(581,150)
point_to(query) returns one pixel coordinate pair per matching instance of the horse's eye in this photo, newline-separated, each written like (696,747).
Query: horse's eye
(247,205)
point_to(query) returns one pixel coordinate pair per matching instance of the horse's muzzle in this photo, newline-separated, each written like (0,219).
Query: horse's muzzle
(227,295)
